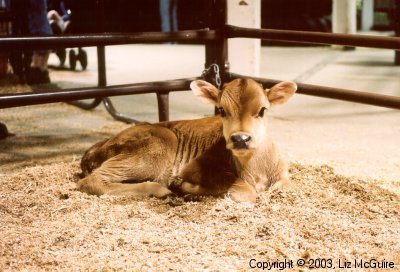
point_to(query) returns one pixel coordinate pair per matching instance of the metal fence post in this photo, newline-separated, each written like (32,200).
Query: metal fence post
(217,51)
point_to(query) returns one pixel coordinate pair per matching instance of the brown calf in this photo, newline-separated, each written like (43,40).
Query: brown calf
(230,153)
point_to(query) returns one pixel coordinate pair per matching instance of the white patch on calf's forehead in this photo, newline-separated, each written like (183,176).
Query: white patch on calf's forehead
(243,96)
(230,98)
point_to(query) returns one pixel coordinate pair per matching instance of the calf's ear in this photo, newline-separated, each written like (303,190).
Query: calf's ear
(205,91)
(281,92)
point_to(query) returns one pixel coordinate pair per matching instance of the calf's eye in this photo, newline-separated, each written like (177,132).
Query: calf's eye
(261,112)
(222,112)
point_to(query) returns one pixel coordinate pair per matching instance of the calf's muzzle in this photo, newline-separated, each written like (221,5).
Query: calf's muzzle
(240,140)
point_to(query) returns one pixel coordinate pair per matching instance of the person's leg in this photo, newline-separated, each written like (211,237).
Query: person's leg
(38,73)
(56,22)
(38,24)
(174,16)
(39,59)
(164,14)
(37,18)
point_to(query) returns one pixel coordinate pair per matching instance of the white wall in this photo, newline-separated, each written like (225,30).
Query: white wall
(244,54)
(344,16)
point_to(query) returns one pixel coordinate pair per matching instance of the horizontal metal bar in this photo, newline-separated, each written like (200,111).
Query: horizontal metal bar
(52,96)
(34,41)
(313,37)
(381,100)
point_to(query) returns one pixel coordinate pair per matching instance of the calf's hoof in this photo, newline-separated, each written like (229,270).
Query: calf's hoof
(158,191)
(175,184)
(193,198)
(249,197)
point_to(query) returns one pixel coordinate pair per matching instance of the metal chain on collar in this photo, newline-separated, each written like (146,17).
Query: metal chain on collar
(211,74)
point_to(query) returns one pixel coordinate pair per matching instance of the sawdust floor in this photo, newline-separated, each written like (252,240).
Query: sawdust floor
(45,224)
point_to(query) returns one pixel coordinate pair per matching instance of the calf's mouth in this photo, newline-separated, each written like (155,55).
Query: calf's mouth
(242,150)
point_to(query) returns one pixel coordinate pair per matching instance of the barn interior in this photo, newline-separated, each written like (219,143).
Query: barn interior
(344,156)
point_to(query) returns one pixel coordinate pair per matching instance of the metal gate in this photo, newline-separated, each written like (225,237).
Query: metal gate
(214,38)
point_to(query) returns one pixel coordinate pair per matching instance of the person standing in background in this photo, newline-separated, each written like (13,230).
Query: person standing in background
(5,28)
(38,24)
(168,13)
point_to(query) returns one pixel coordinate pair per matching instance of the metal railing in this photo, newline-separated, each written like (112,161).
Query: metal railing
(85,40)
(307,37)
(102,91)
(215,40)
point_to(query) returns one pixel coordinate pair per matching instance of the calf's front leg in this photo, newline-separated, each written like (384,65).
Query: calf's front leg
(241,191)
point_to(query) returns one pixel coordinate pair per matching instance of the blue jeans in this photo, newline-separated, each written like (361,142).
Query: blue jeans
(169,20)
(37,18)
(37,21)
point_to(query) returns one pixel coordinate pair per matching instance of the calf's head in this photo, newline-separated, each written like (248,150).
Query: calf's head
(243,104)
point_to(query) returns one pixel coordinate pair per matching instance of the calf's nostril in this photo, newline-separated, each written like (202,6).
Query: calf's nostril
(240,138)
(245,138)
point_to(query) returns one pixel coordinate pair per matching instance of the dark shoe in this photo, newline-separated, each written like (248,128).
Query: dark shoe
(55,28)
(82,58)
(4,132)
(72,59)
(62,55)
(37,76)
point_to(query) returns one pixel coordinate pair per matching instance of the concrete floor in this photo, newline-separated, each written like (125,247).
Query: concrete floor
(355,139)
